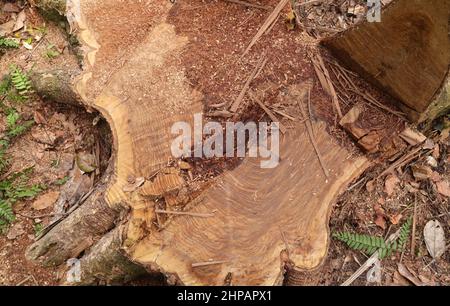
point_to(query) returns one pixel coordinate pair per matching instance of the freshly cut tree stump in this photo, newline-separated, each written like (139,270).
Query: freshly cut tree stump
(252,221)
(407,54)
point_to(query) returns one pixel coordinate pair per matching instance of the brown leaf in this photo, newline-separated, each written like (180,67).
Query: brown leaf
(395,219)
(443,188)
(15,231)
(39,118)
(11,8)
(409,275)
(380,216)
(390,184)
(46,200)
(20,21)
(370,186)
(7,28)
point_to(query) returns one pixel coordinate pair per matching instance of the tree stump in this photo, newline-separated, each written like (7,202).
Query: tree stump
(245,227)
(407,55)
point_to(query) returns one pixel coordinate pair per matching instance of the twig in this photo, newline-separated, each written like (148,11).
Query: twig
(311,138)
(372,259)
(234,107)
(24,281)
(169,212)
(325,80)
(268,112)
(266,25)
(247,4)
(413,233)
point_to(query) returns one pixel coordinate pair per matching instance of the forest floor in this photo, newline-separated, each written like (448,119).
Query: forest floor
(41,156)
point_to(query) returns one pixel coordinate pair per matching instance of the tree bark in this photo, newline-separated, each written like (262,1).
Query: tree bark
(70,237)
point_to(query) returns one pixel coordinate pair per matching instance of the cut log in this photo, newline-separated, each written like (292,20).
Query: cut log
(244,225)
(74,234)
(407,55)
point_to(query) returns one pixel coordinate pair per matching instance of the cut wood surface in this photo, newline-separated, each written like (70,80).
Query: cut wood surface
(243,222)
(407,54)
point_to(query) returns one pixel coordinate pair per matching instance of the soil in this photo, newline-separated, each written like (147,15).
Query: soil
(213,64)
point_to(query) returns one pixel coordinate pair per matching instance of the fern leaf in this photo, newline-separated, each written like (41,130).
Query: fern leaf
(8,43)
(367,244)
(405,231)
(20,81)
(6,212)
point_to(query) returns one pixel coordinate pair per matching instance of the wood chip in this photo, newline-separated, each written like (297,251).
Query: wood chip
(412,137)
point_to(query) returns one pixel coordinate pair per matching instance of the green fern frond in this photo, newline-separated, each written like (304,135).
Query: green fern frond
(405,231)
(6,212)
(8,43)
(20,81)
(367,244)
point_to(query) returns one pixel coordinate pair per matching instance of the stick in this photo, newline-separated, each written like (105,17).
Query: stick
(247,4)
(413,234)
(268,112)
(311,138)
(372,259)
(266,25)
(185,213)
(234,107)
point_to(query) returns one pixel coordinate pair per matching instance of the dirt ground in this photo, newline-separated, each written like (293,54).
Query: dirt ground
(61,131)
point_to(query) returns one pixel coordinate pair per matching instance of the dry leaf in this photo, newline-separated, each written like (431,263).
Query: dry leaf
(20,21)
(395,219)
(86,162)
(7,28)
(370,186)
(421,172)
(374,274)
(11,8)
(443,188)
(15,231)
(407,273)
(390,184)
(380,216)
(434,238)
(46,200)
(39,118)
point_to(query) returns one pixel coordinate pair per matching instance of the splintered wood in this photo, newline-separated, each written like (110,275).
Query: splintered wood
(325,80)
(268,112)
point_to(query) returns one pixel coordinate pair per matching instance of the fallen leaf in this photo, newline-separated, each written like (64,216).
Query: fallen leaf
(86,162)
(20,21)
(390,184)
(395,219)
(11,8)
(374,274)
(434,238)
(39,118)
(443,188)
(380,216)
(435,177)
(46,200)
(7,28)
(15,231)
(399,280)
(407,273)
(370,186)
